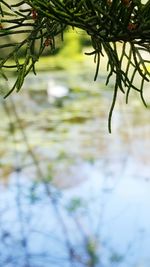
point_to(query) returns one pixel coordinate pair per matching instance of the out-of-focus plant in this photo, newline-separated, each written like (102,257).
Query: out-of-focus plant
(106,22)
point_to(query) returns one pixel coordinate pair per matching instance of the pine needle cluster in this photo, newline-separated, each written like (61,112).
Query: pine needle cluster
(107,22)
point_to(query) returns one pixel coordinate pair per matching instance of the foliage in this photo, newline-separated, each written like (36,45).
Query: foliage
(106,22)
(71,45)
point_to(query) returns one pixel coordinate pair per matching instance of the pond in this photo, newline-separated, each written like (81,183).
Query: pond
(71,193)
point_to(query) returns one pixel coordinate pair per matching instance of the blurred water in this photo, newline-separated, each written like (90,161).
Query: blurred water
(72,194)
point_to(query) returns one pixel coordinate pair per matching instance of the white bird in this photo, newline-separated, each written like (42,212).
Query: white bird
(56,91)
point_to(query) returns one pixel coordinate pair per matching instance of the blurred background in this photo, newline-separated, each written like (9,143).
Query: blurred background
(71,194)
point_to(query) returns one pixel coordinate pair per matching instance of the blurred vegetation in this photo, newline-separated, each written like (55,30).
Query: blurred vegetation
(71,45)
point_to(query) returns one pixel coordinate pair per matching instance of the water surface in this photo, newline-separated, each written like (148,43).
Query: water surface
(71,193)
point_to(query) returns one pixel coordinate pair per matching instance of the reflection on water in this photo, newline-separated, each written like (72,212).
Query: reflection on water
(72,194)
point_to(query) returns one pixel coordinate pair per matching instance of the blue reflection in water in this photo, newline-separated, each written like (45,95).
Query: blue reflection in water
(110,213)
